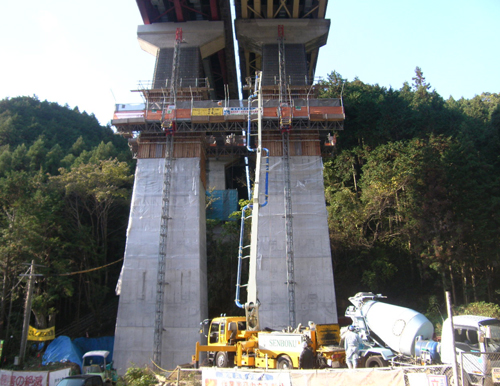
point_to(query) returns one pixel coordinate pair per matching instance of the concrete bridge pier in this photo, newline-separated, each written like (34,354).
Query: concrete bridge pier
(185,294)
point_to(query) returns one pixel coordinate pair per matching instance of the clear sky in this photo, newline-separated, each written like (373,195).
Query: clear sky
(86,54)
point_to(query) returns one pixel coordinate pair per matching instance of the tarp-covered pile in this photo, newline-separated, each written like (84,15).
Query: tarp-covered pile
(62,349)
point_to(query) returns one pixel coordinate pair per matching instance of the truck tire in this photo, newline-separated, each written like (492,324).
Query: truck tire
(284,362)
(376,361)
(451,377)
(223,359)
(321,362)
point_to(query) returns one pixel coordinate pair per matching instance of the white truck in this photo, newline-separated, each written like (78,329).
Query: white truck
(97,362)
(401,336)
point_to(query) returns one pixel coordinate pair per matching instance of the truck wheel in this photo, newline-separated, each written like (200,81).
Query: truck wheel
(224,359)
(451,377)
(284,362)
(321,362)
(376,361)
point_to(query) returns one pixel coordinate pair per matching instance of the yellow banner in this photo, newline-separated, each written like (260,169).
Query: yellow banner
(41,335)
(206,112)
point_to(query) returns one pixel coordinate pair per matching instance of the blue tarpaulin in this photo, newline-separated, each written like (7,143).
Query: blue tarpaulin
(224,202)
(62,349)
(90,344)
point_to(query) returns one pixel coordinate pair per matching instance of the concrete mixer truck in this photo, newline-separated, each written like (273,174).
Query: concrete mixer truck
(401,336)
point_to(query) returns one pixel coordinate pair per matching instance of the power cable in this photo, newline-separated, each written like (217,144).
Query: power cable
(19,282)
(90,270)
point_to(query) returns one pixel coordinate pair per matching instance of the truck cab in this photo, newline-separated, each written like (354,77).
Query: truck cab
(222,334)
(476,338)
(97,363)
(224,330)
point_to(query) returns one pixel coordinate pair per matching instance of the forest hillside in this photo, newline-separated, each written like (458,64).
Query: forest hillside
(65,186)
(413,194)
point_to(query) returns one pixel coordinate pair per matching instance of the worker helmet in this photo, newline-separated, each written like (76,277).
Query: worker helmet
(351,328)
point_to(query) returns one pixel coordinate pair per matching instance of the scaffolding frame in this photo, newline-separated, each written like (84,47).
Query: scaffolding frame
(165,208)
(285,120)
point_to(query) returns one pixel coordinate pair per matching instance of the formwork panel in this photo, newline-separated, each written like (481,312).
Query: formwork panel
(185,300)
(274,145)
(300,144)
(184,147)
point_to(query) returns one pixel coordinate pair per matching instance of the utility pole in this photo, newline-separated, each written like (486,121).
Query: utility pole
(27,311)
(450,315)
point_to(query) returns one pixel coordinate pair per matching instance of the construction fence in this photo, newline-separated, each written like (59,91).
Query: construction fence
(260,377)
(474,369)
(480,368)
(339,377)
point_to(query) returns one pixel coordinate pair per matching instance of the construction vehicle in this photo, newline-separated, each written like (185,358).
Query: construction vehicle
(402,336)
(238,340)
(96,363)
(231,344)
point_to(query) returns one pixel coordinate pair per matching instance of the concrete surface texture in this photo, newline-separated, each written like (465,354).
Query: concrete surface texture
(314,289)
(185,294)
(208,35)
(216,178)
(253,34)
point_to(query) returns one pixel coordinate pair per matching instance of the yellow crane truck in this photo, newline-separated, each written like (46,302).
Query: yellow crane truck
(230,344)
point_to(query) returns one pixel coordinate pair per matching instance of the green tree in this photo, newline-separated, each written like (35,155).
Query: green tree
(419,82)
(29,232)
(40,220)
(93,193)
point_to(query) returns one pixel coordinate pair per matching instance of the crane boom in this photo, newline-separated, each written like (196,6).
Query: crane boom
(252,304)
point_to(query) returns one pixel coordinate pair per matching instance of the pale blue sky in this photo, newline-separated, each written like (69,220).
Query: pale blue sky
(455,43)
(86,54)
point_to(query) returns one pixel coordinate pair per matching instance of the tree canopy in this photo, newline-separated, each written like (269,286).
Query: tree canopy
(413,191)
(65,186)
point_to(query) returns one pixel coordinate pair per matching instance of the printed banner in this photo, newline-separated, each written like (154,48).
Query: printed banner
(206,112)
(218,377)
(495,374)
(240,110)
(41,335)
(23,378)
(56,376)
(422,379)
(363,377)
